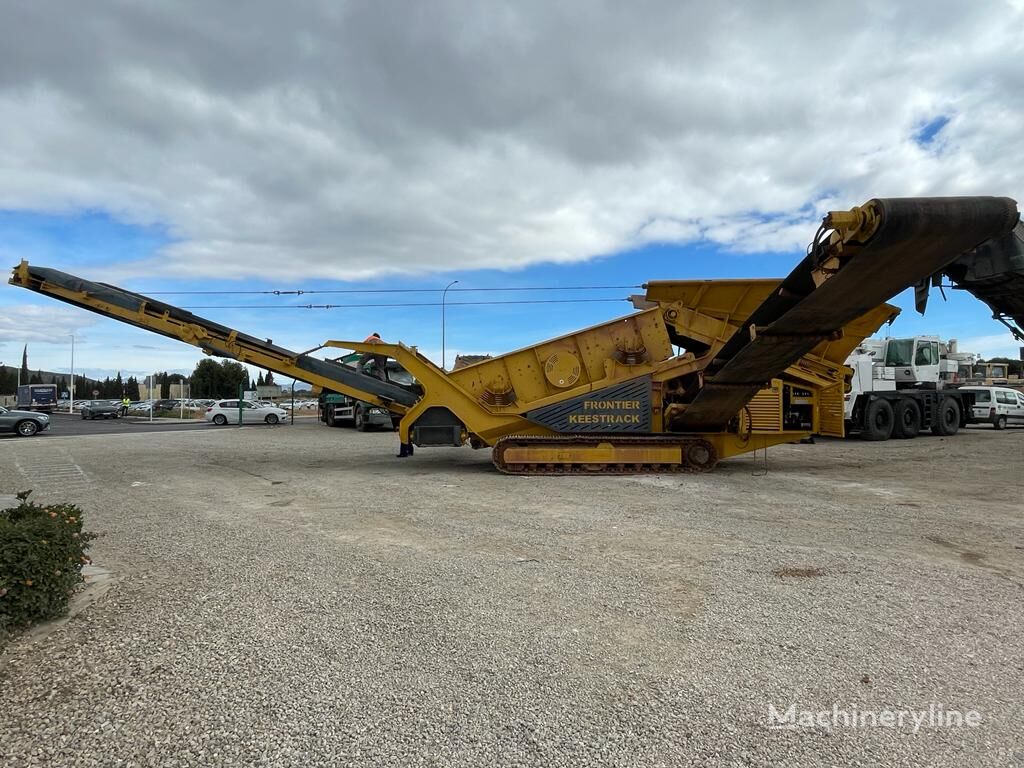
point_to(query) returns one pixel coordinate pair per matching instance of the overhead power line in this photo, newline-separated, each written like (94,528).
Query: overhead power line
(303,292)
(402,306)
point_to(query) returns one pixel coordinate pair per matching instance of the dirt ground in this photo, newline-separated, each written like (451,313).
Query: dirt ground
(298,596)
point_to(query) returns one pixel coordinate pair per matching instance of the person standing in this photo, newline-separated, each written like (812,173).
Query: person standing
(380,362)
(125,403)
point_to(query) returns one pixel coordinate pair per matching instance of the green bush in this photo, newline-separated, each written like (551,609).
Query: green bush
(42,551)
(175,413)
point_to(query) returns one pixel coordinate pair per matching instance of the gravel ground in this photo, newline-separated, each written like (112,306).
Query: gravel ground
(295,596)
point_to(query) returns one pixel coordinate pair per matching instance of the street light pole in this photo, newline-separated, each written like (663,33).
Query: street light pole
(443,295)
(71,392)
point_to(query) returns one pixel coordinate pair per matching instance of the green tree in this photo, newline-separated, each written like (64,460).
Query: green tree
(1013,367)
(206,378)
(131,388)
(218,379)
(235,377)
(24,365)
(172,379)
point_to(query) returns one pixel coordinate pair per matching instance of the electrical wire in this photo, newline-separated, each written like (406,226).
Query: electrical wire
(402,306)
(303,292)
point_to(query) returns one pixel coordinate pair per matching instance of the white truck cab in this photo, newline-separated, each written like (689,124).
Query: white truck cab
(926,360)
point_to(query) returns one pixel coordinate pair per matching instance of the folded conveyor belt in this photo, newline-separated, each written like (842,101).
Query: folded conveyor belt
(914,238)
(214,338)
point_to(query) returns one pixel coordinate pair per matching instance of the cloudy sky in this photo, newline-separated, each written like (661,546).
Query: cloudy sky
(370,146)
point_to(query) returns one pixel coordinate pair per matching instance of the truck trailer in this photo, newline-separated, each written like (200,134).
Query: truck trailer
(37,397)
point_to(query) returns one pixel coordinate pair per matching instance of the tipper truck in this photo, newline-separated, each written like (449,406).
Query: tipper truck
(337,409)
(709,369)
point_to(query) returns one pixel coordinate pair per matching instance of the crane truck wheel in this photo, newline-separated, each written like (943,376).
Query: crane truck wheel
(906,419)
(878,422)
(360,419)
(947,418)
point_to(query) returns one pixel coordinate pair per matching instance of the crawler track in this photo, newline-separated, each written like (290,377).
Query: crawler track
(603,455)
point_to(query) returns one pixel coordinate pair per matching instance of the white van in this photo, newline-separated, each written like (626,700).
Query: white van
(999,406)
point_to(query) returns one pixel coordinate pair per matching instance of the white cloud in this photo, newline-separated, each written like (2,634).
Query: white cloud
(351,139)
(25,323)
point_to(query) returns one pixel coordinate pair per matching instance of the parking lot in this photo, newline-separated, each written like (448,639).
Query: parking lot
(72,425)
(296,595)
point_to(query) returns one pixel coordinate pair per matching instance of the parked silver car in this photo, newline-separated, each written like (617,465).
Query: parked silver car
(23,423)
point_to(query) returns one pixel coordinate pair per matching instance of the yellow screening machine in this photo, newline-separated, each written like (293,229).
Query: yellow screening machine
(704,370)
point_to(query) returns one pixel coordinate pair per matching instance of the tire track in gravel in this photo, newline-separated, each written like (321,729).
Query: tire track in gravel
(47,470)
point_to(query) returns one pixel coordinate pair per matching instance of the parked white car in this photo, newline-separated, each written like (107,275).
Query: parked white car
(226,412)
(999,406)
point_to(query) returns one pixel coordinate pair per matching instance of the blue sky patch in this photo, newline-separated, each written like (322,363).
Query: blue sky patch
(926,134)
(488,311)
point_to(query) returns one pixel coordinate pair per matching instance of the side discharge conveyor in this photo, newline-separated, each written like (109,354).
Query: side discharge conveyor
(704,370)
(212,338)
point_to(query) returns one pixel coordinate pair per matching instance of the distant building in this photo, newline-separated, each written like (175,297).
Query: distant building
(179,390)
(183,391)
(461,361)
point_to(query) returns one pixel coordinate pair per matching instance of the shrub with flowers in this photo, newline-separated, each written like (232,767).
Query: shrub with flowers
(42,551)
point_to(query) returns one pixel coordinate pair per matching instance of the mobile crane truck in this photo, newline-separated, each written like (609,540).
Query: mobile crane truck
(901,387)
(762,361)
